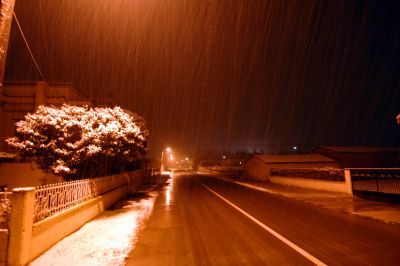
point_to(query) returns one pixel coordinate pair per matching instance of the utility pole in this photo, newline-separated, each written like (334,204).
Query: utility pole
(6,14)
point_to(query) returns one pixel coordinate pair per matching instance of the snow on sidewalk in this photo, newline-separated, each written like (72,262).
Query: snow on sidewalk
(106,240)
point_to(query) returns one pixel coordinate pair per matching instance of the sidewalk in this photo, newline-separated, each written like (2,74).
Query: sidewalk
(386,212)
(105,240)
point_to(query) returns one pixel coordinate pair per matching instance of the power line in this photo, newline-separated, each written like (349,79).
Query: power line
(46,44)
(27,45)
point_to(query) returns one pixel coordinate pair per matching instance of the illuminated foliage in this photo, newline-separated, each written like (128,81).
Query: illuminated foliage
(79,142)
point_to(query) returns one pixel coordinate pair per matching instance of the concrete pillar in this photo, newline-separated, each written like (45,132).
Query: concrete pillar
(347,178)
(21,222)
(40,93)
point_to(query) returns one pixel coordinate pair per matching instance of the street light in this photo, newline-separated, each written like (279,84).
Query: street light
(167,150)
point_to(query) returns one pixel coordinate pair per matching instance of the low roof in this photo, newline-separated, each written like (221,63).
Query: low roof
(359,149)
(293,158)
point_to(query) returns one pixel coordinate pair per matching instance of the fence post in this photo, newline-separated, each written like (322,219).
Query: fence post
(347,178)
(21,222)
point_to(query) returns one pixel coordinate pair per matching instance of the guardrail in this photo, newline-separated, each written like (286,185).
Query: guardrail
(378,180)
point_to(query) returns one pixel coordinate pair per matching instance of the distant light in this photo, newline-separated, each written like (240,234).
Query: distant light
(223,157)
(168,149)
(240,162)
(171,157)
(295,148)
(187,159)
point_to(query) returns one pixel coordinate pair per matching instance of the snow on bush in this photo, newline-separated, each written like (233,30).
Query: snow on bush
(79,142)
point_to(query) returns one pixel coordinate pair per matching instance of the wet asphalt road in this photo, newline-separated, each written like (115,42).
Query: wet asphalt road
(191,225)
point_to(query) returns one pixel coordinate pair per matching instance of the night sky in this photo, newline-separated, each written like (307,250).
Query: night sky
(226,74)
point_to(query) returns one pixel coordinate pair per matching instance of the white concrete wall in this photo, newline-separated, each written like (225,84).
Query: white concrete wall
(27,240)
(333,186)
(257,169)
(49,231)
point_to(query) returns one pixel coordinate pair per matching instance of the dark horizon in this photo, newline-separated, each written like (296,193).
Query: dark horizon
(226,74)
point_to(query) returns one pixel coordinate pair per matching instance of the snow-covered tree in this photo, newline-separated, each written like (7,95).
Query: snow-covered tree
(80,142)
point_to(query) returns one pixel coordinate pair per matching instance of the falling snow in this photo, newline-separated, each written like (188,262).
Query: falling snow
(226,74)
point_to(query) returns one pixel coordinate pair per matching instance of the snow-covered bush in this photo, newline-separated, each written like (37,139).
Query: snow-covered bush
(80,142)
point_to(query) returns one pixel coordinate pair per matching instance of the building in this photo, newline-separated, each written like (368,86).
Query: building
(22,173)
(19,98)
(259,166)
(361,156)
(16,100)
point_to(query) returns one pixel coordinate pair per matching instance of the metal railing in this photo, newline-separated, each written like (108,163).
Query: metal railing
(54,198)
(325,174)
(376,180)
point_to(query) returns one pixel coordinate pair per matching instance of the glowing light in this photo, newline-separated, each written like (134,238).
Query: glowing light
(168,149)
(166,173)
(169,190)
(223,157)
(187,159)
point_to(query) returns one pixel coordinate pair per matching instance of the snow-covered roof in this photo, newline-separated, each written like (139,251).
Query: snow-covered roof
(293,158)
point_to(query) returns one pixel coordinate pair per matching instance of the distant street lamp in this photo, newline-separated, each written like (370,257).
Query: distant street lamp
(167,150)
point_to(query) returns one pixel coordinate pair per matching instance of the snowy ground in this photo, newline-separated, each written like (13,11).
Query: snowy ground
(106,240)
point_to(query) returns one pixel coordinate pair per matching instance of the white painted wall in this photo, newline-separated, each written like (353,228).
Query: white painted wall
(51,230)
(28,240)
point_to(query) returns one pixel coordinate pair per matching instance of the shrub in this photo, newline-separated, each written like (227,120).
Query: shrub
(80,142)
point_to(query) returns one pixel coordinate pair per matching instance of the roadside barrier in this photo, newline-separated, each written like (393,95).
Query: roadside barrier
(383,180)
(42,216)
